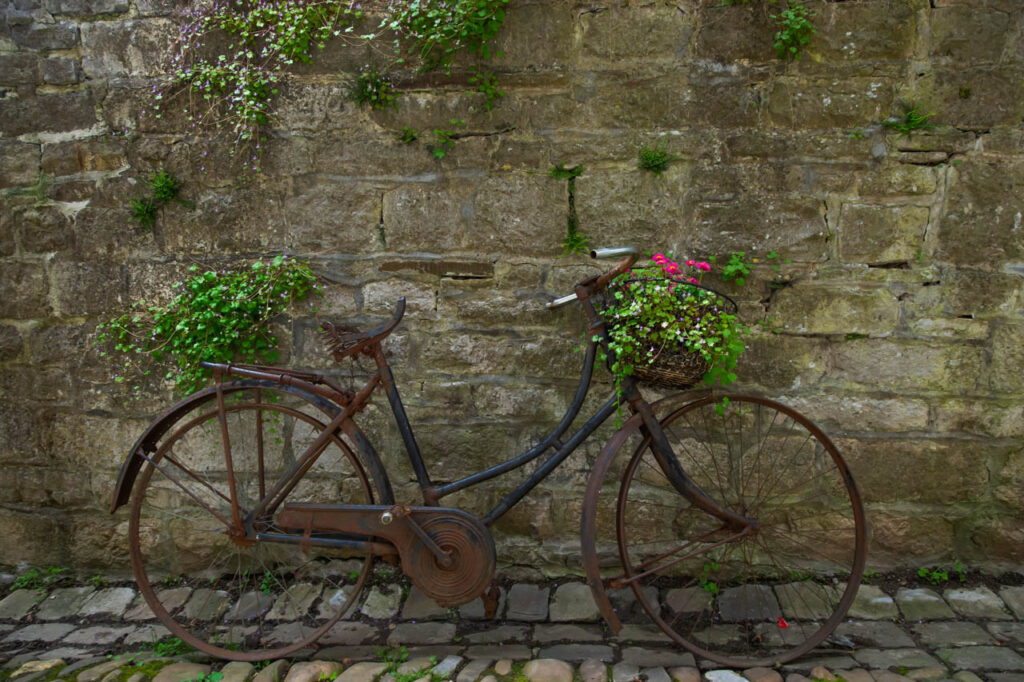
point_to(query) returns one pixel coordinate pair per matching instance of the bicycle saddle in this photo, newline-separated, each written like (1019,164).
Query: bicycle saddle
(345,341)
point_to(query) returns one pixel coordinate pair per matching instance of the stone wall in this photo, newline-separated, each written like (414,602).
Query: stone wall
(897,316)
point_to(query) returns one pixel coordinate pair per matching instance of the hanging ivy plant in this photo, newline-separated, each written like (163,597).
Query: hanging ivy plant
(231,57)
(218,316)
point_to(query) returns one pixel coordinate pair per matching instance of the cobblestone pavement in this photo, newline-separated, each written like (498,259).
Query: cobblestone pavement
(543,633)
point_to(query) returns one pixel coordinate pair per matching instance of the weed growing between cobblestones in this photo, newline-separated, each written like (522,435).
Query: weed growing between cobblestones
(40,580)
(937,575)
(170,647)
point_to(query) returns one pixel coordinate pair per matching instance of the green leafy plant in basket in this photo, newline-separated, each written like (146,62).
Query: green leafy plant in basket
(666,327)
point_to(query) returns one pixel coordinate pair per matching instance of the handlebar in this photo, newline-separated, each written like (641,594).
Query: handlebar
(600,282)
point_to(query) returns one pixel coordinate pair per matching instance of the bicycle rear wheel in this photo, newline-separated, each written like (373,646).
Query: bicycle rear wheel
(760,598)
(226,594)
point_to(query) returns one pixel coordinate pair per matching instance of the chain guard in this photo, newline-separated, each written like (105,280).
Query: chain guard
(471,547)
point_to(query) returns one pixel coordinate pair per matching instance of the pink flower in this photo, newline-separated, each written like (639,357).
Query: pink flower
(704,266)
(694,280)
(691,263)
(659,259)
(672,269)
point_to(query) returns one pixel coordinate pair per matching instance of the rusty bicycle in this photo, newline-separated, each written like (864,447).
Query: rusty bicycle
(259,505)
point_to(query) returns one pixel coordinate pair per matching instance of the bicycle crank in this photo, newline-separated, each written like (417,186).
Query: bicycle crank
(446,552)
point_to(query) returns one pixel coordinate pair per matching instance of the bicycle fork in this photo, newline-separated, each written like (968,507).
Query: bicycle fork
(684,485)
(735,525)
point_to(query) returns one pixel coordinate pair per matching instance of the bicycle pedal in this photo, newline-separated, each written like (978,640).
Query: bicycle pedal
(490,598)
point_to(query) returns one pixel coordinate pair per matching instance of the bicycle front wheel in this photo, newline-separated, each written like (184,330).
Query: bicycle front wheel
(759,598)
(220,591)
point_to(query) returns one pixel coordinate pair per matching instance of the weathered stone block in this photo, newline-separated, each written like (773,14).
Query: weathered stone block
(548,28)
(928,471)
(1010,483)
(803,103)
(425,217)
(61,36)
(900,536)
(86,7)
(979,293)
(518,216)
(1007,358)
(781,361)
(907,365)
(653,33)
(59,71)
(733,33)
(314,107)
(325,214)
(1003,539)
(981,223)
(67,158)
(19,69)
(858,413)
(851,33)
(22,532)
(881,234)
(1001,419)
(57,112)
(967,35)
(11,344)
(30,287)
(977,97)
(19,164)
(113,49)
(899,180)
(835,309)
(789,224)
(84,288)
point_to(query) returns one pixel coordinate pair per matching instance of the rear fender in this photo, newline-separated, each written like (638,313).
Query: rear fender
(150,439)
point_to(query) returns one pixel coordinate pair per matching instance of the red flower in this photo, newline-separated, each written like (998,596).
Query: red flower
(782,623)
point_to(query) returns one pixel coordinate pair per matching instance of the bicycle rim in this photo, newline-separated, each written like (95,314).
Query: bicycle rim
(231,596)
(760,598)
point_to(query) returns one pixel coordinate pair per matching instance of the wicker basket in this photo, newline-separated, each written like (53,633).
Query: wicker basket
(673,370)
(679,368)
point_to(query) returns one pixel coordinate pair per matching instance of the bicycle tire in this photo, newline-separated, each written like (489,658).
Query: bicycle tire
(237,598)
(759,599)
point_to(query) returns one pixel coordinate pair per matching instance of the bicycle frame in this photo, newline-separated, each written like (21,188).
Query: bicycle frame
(432,494)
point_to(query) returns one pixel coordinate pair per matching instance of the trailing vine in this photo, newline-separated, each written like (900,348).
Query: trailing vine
(232,88)
(232,55)
(218,316)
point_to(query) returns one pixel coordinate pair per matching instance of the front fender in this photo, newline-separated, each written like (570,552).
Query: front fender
(598,473)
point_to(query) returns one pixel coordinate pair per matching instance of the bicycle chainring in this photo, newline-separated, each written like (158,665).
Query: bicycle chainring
(468,542)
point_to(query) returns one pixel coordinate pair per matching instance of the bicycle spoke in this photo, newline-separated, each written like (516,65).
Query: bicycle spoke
(761,460)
